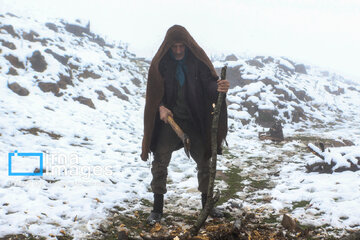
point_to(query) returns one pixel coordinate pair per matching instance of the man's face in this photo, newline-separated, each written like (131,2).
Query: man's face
(178,49)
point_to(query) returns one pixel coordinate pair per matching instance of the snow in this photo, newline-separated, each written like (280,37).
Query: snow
(95,166)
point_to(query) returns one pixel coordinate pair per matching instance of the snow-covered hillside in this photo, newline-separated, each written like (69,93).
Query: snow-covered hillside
(266,89)
(69,94)
(78,99)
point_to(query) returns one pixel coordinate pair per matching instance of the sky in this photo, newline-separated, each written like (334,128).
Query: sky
(317,32)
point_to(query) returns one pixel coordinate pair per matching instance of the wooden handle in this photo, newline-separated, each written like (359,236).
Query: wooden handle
(176,127)
(223,73)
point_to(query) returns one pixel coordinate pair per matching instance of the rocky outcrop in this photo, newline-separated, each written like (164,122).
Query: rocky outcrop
(12,71)
(300,68)
(7,44)
(61,59)
(15,61)
(101,95)
(10,29)
(117,93)
(19,90)
(89,74)
(231,57)
(49,87)
(77,30)
(86,101)
(52,26)
(38,62)
(64,81)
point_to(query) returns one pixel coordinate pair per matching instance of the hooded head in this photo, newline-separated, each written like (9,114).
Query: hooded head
(178,34)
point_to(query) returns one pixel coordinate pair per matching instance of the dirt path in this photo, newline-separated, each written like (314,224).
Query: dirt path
(251,170)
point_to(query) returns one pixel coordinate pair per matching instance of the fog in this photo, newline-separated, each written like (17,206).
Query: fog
(322,32)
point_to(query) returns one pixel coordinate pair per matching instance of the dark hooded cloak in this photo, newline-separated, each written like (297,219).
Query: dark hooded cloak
(155,93)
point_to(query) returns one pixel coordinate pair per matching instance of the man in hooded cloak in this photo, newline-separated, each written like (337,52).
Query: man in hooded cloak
(182,83)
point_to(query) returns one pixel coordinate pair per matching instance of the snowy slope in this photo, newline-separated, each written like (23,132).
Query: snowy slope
(98,142)
(265,89)
(78,98)
(313,105)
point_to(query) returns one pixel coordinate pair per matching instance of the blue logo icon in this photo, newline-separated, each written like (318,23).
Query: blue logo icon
(16,153)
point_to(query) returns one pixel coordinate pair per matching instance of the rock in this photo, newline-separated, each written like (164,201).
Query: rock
(52,26)
(16,88)
(104,227)
(86,101)
(89,74)
(286,95)
(233,75)
(64,81)
(231,57)
(298,114)
(275,133)
(10,30)
(268,81)
(98,40)
(266,118)
(255,63)
(77,30)
(301,94)
(73,66)
(123,235)
(268,60)
(14,61)
(108,54)
(63,60)
(288,223)
(101,95)
(49,87)
(38,62)
(31,36)
(12,15)
(352,236)
(353,89)
(9,45)
(136,82)
(286,69)
(251,107)
(12,71)
(338,92)
(237,225)
(117,93)
(126,90)
(236,205)
(300,68)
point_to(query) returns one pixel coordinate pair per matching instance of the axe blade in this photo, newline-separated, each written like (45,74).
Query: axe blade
(184,138)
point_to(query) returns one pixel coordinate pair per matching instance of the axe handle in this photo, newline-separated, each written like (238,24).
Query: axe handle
(176,128)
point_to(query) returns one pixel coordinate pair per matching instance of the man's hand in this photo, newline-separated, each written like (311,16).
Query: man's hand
(164,113)
(223,85)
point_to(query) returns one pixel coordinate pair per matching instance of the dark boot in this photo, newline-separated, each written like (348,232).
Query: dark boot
(157,212)
(215,212)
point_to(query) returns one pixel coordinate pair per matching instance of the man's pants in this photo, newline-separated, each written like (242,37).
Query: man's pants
(168,142)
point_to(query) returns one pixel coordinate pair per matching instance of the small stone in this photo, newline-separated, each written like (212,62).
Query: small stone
(12,71)
(237,224)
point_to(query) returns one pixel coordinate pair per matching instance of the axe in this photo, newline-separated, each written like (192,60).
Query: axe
(184,138)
